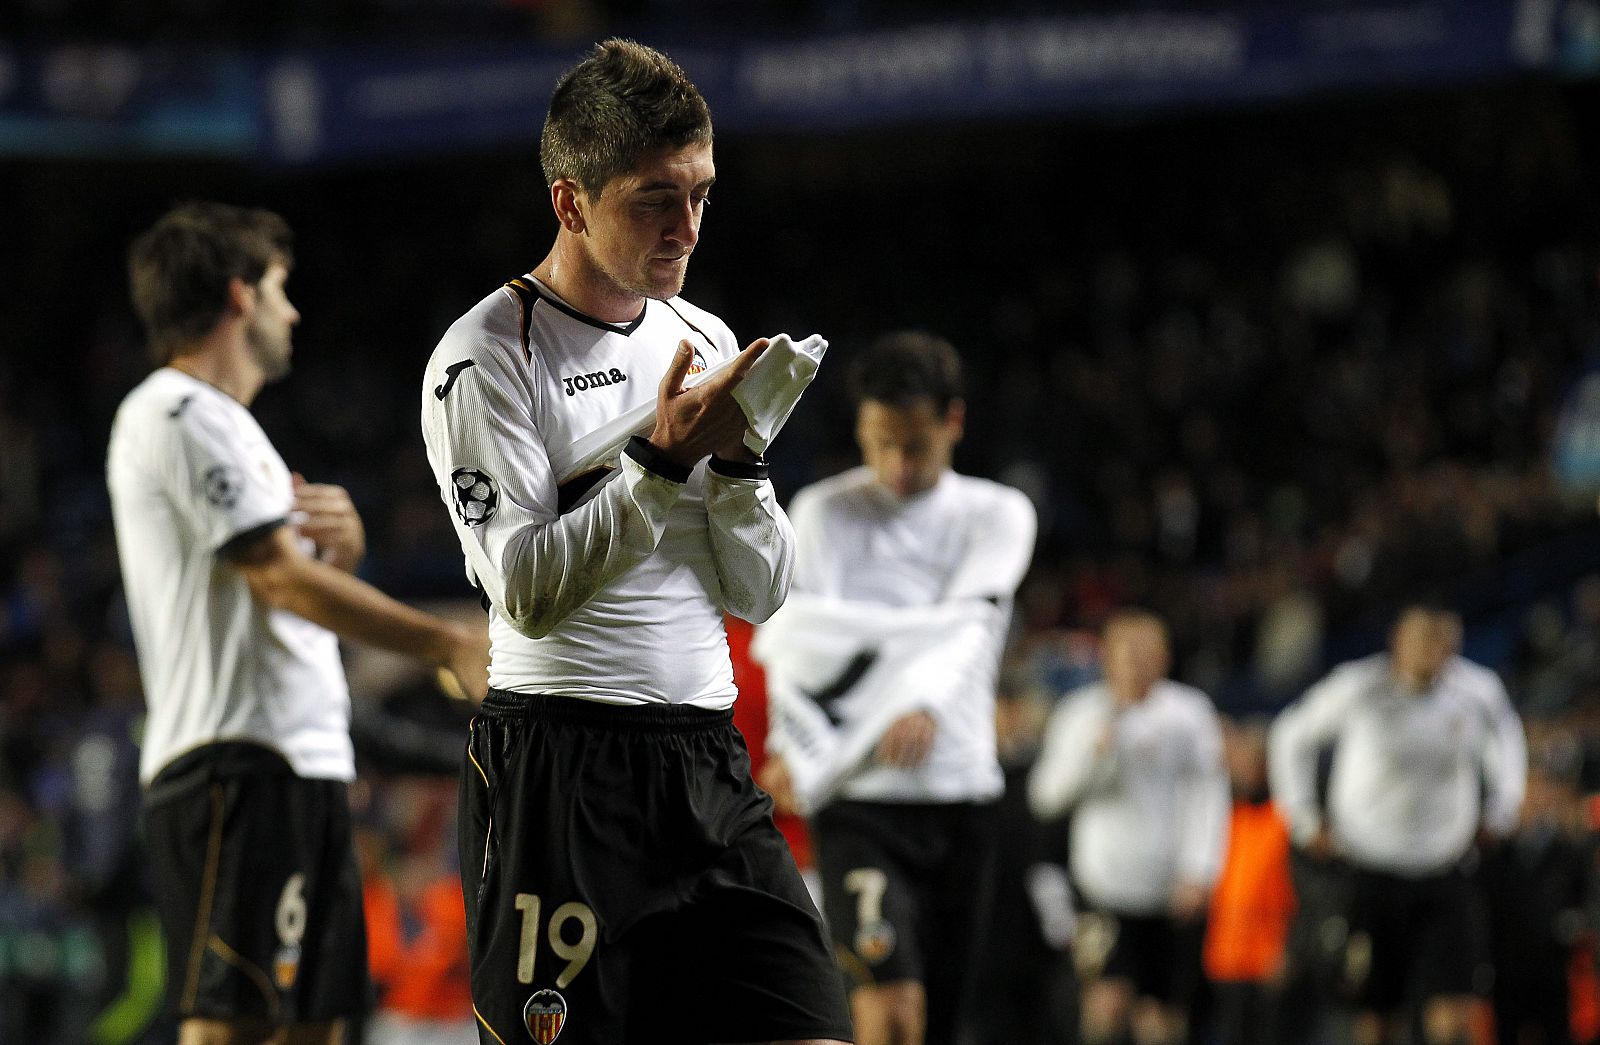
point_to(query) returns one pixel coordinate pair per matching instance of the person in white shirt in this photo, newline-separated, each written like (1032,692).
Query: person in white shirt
(238,580)
(1137,760)
(904,578)
(624,880)
(1429,760)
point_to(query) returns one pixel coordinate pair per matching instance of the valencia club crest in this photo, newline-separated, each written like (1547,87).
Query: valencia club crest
(544,1016)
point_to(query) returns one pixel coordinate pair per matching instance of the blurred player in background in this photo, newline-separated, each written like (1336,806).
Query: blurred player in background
(905,837)
(1429,760)
(1137,760)
(624,880)
(239,585)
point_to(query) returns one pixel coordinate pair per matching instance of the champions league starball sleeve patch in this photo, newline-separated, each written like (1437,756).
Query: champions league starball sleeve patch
(477,495)
(222,484)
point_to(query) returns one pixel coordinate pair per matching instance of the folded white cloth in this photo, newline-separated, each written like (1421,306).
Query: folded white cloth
(917,654)
(767,395)
(773,386)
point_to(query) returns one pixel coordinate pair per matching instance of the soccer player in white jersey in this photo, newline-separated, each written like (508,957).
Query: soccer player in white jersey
(905,838)
(1137,760)
(1429,760)
(624,880)
(238,580)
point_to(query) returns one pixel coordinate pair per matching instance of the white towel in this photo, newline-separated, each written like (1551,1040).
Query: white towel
(920,653)
(767,395)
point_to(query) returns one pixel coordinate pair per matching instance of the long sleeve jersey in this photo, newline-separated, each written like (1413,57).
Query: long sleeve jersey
(1149,808)
(1415,773)
(965,540)
(608,586)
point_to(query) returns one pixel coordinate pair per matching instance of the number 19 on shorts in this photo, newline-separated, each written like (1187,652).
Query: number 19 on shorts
(576,953)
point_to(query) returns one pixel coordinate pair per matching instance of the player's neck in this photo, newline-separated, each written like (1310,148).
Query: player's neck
(579,282)
(232,377)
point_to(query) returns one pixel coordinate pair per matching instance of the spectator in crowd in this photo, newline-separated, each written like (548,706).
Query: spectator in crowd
(416,925)
(1248,929)
(1137,760)
(1538,883)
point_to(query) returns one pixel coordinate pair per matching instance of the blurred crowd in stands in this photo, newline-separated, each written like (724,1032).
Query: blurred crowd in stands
(1264,373)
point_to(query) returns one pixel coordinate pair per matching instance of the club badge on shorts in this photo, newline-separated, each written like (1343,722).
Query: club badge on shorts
(875,941)
(544,1016)
(286,966)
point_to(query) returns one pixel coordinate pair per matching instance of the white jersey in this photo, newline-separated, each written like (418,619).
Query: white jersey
(611,587)
(1149,810)
(966,538)
(190,473)
(1414,773)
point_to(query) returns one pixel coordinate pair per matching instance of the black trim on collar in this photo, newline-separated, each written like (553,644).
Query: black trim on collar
(527,296)
(653,460)
(624,329)
(758,469)
(685,320)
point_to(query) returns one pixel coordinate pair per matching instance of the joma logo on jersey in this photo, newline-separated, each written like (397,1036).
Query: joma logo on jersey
(598,379)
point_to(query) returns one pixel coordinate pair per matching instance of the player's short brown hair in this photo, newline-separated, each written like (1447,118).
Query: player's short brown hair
(179,270)
(1135,617)
(621,102)
(905,367)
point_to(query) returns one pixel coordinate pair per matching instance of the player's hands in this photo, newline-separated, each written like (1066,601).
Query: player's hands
(324,513)
(464,674)
(908,740)
(775,780)
(1189,900)
(1321,846)
(694,422)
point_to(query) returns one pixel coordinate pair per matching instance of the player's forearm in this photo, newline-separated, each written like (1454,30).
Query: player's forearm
(752,544)
(1291,771)
(355,610)
(1203,827)
(550,571)
(1063,771)
(1506,773)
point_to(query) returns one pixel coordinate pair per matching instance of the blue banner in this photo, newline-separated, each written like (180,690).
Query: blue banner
(355,103)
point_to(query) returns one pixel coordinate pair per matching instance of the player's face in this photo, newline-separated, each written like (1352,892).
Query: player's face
(1133,657)
(908,448)
(1421,644)
(644,226)
(269,336)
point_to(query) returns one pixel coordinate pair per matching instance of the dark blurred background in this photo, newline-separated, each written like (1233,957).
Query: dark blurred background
(1281,313)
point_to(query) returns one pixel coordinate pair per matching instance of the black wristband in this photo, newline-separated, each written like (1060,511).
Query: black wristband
(756,469)
(654,460)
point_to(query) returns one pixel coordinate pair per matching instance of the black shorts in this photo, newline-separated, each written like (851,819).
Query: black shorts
(1157,954)
(625,883)
(906,890)
(256,881)
(1415,938)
